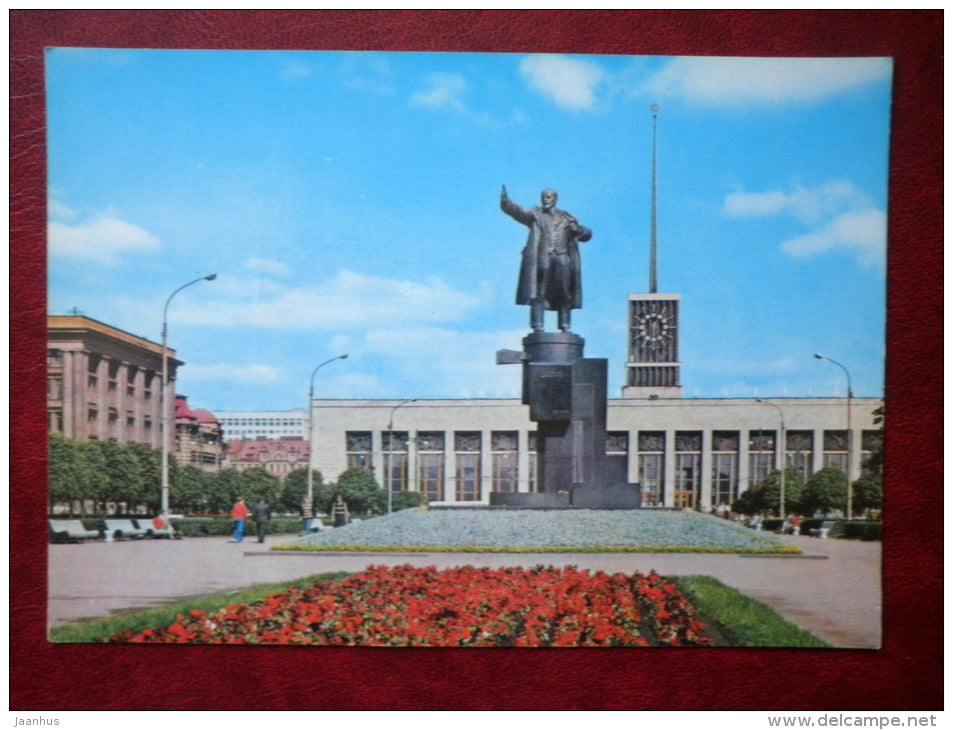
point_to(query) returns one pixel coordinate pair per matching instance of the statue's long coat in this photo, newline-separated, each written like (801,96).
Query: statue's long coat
(531,284)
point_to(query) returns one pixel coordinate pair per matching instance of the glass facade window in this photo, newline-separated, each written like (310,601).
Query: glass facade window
(760,455)
(651,467)
(467,447)
(835,450)
(724,468)
(688,462)
(617,457)
(395,460)
(505,451)
(430,462)
(358,445)
(799,453)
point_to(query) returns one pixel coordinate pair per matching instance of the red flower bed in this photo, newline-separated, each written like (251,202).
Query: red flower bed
(407,606)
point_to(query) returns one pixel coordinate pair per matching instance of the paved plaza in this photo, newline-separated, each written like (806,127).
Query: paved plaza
(833,590)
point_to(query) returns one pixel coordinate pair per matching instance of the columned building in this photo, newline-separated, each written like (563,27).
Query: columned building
(696,453)
(699,453)
(104,383)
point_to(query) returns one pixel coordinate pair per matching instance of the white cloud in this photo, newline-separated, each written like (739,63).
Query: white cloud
(349,300)
(294,71)
(102,240)
(864,232)
(809,205)
(268,266)
(443,92)
(570,82)
(717,81)
(841,215)
(58,209)
(459,364)
(228,373)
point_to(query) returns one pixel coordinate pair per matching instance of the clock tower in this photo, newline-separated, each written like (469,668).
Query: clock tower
(652,368)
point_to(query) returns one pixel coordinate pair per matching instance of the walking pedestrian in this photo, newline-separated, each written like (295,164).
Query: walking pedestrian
(239,515)
(261,514)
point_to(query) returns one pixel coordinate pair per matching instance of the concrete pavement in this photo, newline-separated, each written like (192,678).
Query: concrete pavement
(833,590)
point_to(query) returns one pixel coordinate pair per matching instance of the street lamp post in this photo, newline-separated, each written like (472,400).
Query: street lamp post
(390,454)
(311,422)
(782,450)
(165,419)
(850,394)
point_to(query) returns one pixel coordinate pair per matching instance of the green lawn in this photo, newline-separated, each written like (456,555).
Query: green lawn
(741,620)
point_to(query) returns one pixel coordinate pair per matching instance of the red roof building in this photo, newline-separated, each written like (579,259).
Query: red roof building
(276,456)
(198,437)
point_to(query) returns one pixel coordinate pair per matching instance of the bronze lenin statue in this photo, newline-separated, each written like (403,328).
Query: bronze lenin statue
(550,276)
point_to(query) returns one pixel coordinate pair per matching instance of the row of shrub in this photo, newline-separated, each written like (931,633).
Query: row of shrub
(851,530)
(210,526)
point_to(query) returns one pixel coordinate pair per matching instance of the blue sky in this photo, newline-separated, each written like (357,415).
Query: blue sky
(349,203)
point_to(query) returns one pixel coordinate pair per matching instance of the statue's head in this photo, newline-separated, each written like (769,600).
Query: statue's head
(548,198)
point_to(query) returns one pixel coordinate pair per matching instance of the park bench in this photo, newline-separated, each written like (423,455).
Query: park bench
(152,531)
(821,532)
(123,528)
(70,531)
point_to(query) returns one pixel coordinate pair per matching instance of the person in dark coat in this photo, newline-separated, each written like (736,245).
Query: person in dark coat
(261,513)
(551,270)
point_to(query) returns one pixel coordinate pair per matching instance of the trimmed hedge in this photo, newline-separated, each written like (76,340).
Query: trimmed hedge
(863,530)
(848,530)
(222,526)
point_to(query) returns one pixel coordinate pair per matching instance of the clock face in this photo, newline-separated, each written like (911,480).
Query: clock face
(654,329)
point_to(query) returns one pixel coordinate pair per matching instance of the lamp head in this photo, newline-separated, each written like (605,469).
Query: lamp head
(342,357)
(819,356)
(210,277)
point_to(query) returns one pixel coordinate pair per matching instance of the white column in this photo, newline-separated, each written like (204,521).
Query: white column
(705,495)
(817,452)
(449,467)
(743,461)
(668,469)
(486,464)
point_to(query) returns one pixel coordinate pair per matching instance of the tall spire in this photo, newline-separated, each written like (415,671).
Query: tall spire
(653,238)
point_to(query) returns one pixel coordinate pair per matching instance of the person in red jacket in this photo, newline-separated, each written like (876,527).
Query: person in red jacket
(239,515)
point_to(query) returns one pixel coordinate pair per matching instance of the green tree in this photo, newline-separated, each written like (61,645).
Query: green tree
(225,488)
(360,490)
(876,461)
(868,493)
(765,496)
(65,476)
(825,491)
(95,475)
(150,472)
(295,487)
(191,488)
(770,491)
(125,475)
(257,483)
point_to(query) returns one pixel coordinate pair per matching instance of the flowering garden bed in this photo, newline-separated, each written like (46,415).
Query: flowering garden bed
(467,606)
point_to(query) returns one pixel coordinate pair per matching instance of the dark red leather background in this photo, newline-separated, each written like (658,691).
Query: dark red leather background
(906,674)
